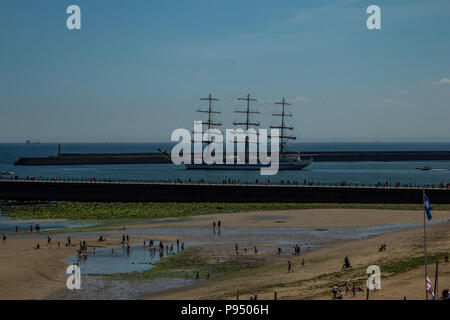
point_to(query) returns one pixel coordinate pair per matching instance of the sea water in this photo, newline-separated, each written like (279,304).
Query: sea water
(331,173)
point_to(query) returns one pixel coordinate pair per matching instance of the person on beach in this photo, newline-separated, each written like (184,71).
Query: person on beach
(446,259)
(347,264)
(49,239)
(289,266)
(256,250)
(341,295)
(4,237)
(354,290)
(303,262)
(31,228)
(219,224)
(38,247)
(123,239)
(17,229)
(445,295)
(197,276)
(335,290)
(236,247)
(214,226)
(347,288)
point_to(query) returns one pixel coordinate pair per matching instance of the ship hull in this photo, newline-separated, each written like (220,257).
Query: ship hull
(288,165)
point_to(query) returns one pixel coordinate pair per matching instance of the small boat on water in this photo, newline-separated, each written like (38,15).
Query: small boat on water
(7,172)
(426,168)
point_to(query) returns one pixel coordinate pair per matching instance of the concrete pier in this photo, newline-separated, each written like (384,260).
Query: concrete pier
(173,192)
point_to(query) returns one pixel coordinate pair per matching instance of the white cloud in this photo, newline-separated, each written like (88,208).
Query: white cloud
(299,18)
(302,99)
(389,101)
(401,92)
(443,81)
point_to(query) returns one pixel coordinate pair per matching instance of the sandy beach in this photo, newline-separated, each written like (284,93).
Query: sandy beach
(26,273)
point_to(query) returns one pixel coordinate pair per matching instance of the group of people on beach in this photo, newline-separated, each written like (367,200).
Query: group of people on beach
(169,249)
(219,225)
(338,294)
(37,228)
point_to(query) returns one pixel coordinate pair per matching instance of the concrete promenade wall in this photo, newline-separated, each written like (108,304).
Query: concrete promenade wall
(165,192)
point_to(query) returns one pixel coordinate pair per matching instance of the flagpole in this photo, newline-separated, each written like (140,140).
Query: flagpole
(436,281)
(425,244)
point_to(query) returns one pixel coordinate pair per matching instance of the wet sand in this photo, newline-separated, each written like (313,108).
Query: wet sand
(37,274)
(305,218)
(323,268)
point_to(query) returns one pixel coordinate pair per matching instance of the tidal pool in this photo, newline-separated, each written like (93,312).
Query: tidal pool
(8,224)
(118,259)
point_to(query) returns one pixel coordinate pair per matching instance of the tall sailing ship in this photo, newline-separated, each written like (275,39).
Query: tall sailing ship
(286,161)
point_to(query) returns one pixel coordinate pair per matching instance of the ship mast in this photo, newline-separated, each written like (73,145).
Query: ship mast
(210,111)
(284,113)
(247,122)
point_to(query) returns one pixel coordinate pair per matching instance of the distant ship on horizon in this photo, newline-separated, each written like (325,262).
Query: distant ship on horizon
(32,141)
(286,161)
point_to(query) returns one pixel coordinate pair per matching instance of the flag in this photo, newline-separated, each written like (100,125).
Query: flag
(427,206)
(430,287)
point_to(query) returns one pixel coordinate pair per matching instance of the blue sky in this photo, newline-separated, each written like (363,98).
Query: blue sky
(137,69)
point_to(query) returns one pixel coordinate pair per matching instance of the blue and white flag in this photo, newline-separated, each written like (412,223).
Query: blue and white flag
(427,206)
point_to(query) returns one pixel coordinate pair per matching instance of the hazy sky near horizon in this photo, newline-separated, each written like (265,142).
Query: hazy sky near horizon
(136,69)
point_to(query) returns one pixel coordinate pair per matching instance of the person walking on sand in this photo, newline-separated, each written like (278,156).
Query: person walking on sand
(256,250)
(289,266)
(335,290)
(219,224)
(303,262)
(4,237)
